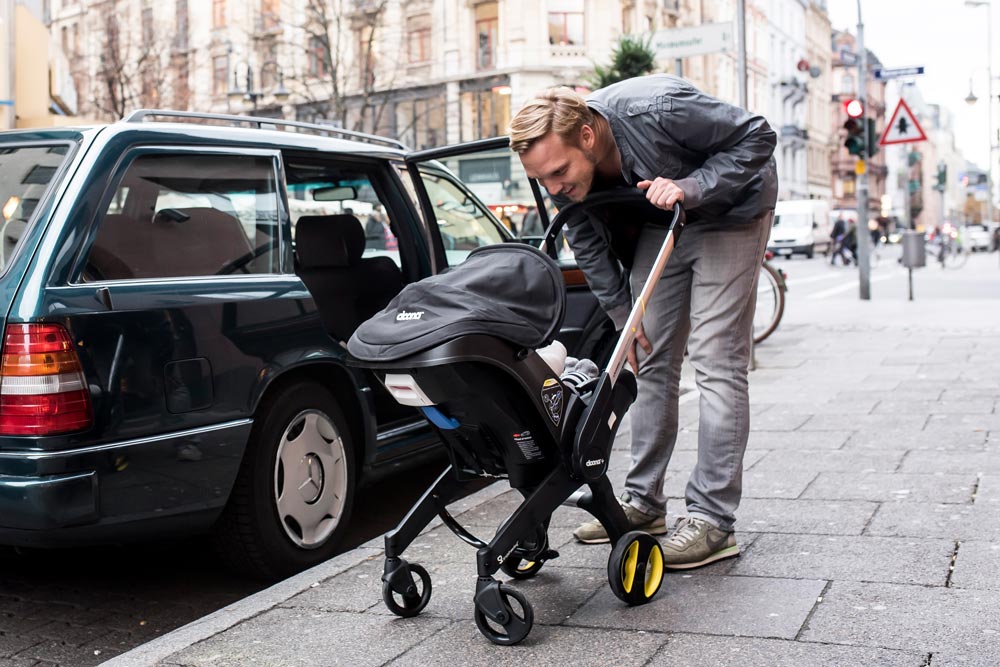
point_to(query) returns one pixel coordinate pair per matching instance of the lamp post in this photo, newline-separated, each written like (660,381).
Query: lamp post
(249,93)
(971,99)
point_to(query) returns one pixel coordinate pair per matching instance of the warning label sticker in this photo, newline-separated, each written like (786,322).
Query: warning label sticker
(526,443)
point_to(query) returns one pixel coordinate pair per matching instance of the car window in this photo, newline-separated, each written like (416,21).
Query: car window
(464,224)
(25,174)
(189,214)
(330,189)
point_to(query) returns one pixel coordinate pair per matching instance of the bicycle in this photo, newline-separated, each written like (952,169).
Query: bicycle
(952,254)
(771,288)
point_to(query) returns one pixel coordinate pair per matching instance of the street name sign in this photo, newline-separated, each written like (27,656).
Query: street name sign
(693,41)
(903,127)
(883,73)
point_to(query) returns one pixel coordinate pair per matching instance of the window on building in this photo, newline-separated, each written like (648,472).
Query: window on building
(220,75)
(421,123)
(566,22)
(65,39)
(486,35)
(366,56)
(218,13)
(147,24)
(319,57)
(182,88)
(268,58)
(182,25)
(418,38)
(205,215)
(628,17)
(485,113)
(270,13)
(75,38)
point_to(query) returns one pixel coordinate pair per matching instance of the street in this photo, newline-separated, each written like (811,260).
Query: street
(80,607)
(814,283)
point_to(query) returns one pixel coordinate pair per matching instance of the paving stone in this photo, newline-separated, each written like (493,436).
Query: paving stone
(865,422)
(900,394)
(975,658)
(11,645)
(848,558)
(713,651)
(546,645)
(797,440)
(950,462)
(923,440)
(322,639)
(852,406)
(953,522)
(813,517)
(355,590)
(911,618)
(977,566)
(935,487)
(840,460)
(966,422)
(745,606)
(756,483)
(779,420)
(948,407)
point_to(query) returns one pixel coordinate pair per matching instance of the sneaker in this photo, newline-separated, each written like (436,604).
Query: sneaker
(592,532)
(695,542)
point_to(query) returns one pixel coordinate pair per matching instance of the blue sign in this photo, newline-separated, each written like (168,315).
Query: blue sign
(6,103)
(882,73)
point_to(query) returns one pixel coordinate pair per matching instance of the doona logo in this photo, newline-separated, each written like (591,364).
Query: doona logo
(405,316)
(594,462)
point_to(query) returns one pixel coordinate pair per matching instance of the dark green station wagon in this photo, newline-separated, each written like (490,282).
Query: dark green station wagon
(176,293)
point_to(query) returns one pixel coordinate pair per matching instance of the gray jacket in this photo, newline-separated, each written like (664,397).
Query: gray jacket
(720,155)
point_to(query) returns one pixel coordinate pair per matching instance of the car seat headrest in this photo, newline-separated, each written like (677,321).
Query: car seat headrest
(327,241)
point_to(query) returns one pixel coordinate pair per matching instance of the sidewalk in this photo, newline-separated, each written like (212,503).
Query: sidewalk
(870,529)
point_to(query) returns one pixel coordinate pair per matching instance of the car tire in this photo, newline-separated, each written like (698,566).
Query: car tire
(294,492)
(810,252)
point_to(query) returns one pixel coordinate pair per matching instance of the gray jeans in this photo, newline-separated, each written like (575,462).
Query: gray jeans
(704,302)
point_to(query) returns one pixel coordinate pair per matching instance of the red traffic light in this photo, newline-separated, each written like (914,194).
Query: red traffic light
(855,109)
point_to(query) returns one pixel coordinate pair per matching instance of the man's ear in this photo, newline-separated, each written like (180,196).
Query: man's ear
(587,137)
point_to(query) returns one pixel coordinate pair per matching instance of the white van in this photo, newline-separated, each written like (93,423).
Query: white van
(800,226)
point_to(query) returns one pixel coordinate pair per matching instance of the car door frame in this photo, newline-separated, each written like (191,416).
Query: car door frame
(596,332)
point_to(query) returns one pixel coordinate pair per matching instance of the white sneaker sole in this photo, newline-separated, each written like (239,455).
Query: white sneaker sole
(728,552)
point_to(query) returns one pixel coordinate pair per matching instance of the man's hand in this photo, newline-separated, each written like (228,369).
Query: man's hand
(662,192)
(640,339)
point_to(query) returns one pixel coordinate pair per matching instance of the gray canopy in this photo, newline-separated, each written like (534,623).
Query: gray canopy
(511,290)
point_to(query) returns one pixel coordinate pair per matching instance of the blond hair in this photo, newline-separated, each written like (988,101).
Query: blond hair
(561,110)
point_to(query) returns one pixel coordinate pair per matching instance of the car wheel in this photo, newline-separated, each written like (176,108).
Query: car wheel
(810,252)
(294,492)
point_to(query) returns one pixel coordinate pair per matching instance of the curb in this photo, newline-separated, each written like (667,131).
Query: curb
(153,652)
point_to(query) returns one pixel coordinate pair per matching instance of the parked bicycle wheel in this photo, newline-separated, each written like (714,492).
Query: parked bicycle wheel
(770,302)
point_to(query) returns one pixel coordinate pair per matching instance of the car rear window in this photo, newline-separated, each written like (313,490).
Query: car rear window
(25,174)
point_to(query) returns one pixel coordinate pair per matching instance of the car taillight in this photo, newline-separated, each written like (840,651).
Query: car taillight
(42,387)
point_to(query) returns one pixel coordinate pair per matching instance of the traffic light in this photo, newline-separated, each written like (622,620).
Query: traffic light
(872,138)
(855,142)
(942,177)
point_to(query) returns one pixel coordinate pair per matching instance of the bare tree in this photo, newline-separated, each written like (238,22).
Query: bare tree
(131,68)
(340,76)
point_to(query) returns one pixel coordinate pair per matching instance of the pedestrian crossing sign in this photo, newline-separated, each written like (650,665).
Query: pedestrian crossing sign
(903,127)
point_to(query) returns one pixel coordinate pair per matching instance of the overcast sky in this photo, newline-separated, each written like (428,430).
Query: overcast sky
(949,41)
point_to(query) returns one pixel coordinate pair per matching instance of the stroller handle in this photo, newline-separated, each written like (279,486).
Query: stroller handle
(624,196)
(632,196)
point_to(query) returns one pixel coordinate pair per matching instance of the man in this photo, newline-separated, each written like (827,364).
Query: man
(677,144)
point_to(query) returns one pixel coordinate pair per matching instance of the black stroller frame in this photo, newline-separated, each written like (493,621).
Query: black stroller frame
(556,460)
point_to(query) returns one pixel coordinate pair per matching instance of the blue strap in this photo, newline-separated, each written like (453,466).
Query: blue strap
(439,419)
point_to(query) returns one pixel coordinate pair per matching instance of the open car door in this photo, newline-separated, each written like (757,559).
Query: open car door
(476,193)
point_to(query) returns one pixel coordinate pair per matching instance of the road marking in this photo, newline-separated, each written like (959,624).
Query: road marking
(854,285)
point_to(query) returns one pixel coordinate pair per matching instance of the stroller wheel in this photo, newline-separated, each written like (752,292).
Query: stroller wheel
(635,568)
(517,619)
(519,568)
(412,603)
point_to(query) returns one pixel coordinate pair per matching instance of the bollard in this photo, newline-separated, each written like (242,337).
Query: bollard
(914,253)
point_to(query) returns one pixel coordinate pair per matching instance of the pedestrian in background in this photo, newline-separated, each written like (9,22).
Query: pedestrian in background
(660,134)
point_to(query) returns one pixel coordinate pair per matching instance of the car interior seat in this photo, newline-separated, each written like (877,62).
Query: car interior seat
(347,288)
